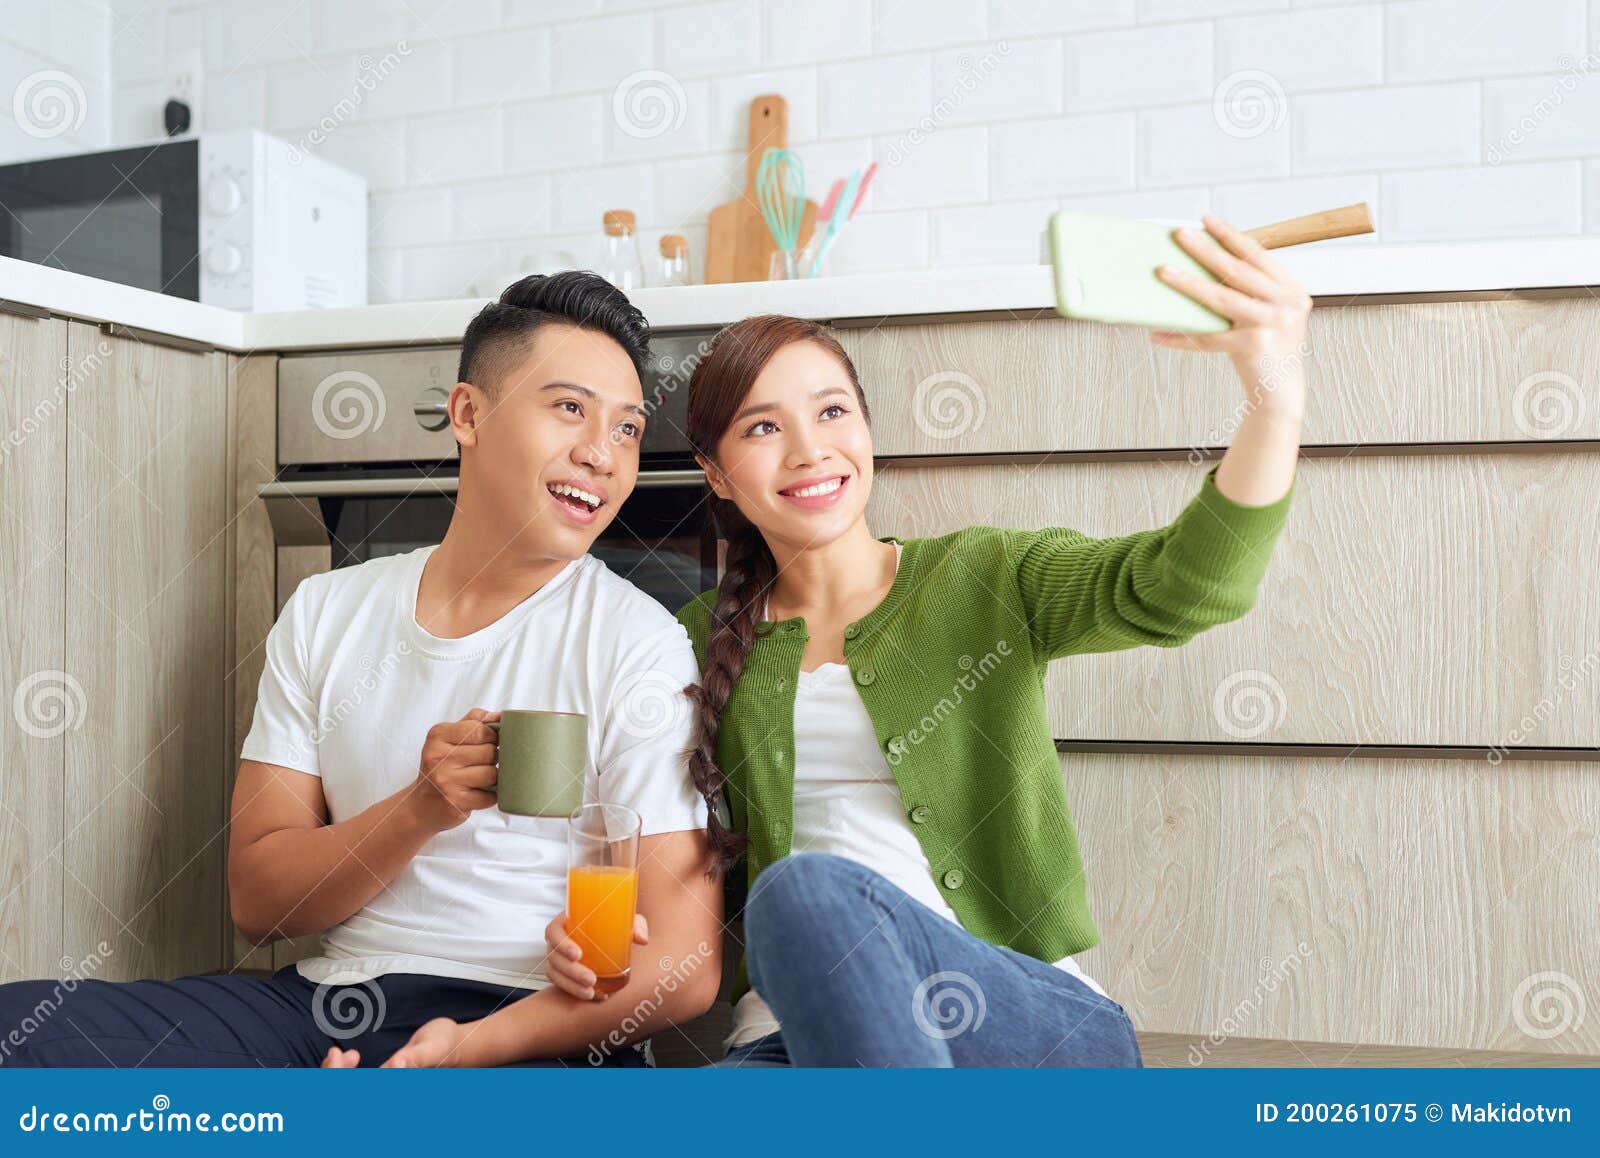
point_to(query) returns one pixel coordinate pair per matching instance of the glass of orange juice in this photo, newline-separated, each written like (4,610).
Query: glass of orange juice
(603,889)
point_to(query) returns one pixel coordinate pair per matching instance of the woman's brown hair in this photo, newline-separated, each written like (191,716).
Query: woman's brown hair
(717,390)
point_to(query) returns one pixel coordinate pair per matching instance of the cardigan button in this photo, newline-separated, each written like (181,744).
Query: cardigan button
(852,631)
(953,879)
(920,814)
(865,676)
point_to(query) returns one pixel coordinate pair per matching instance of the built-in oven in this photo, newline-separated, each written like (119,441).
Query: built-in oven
(367,467)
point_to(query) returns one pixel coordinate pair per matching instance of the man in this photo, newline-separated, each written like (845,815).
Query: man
(358,814)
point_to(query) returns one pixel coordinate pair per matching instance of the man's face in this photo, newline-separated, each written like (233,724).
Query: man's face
(557,451)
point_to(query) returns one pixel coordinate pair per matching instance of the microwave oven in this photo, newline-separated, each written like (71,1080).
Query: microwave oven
(237,219)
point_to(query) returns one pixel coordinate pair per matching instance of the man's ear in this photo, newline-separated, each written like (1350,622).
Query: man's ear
(719,484)
(466,406)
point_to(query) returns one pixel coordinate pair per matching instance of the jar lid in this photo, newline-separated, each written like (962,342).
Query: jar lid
(674,245)
(618,221)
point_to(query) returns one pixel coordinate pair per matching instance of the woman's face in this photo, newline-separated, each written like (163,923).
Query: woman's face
(797,457)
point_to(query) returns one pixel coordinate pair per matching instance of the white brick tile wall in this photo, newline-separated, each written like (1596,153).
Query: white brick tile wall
(903,24)
(1190,144)
(990,234)
(1446,39)
(1318,48)
(819,31)
(997,81)
(496,133)
(1062,155)
(1132,68)
(1543,116)
(1509,201)
(1386,128)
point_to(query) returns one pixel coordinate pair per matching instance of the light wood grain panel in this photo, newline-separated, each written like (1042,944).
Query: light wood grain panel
(252,575)
(34,381)
(1447,904)
(146,631)
(1414,372)
(1426,599)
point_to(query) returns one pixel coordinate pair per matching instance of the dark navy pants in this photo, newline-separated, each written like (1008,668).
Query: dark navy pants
(223,1019)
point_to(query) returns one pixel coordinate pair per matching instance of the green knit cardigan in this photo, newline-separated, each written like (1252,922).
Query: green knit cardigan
(951,668)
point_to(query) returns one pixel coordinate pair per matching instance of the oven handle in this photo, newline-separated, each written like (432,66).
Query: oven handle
(297,516)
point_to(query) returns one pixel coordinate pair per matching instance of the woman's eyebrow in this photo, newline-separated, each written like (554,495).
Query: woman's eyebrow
(766,406)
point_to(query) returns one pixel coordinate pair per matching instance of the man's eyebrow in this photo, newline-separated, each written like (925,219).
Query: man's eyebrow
(577,388)
(766,406)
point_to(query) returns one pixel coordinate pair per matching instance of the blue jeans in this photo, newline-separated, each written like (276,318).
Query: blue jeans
(859,973)
(225,1019)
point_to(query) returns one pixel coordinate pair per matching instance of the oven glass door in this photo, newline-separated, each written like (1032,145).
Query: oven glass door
(661,540)
(127,215)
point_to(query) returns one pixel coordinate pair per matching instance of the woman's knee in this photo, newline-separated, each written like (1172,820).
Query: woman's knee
(794,895)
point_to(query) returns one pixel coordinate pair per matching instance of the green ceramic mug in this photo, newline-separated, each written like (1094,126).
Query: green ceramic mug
(542,757)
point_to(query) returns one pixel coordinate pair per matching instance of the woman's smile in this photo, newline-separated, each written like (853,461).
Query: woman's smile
(814,494)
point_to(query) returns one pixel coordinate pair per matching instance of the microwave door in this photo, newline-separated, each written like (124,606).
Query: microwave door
(128,215)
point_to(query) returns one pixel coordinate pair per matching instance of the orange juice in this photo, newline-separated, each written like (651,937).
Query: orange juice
(600,904)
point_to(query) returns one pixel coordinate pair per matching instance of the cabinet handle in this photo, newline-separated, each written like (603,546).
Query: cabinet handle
(151,337)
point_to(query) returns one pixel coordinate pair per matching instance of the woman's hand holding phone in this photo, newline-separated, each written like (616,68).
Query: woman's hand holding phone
(1267,307)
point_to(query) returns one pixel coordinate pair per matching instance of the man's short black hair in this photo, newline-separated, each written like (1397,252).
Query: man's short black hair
(499,338)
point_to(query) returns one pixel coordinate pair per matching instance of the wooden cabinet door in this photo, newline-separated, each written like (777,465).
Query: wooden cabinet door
(42,699)
(146,517)
(1440,599)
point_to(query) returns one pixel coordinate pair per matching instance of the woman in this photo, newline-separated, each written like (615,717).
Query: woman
(917,894)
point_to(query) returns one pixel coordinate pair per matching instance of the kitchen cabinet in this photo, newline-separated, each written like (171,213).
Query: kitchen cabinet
(1436,599)
(1422,902)
(1412,372)
(41,699)
(144,802)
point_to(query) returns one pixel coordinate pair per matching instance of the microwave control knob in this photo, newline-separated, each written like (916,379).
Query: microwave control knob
(223,196)
(223,259)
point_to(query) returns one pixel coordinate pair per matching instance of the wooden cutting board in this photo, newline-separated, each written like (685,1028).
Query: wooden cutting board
(739,246)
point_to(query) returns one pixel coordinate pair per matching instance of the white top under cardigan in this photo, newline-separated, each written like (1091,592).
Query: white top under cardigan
(846,803)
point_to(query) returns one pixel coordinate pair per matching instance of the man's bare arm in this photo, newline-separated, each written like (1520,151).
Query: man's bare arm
(290,872)
(674,978)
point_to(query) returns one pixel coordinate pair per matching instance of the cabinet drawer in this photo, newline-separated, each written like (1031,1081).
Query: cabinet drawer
(1413,599)
(1415,372)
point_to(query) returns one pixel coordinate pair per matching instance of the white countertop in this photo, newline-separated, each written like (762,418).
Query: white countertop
(1331,272)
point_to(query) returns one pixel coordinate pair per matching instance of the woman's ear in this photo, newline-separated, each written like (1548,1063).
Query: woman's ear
(719,484)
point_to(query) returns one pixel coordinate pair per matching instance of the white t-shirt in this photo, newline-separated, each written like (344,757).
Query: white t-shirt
(353,683)
(846,803)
